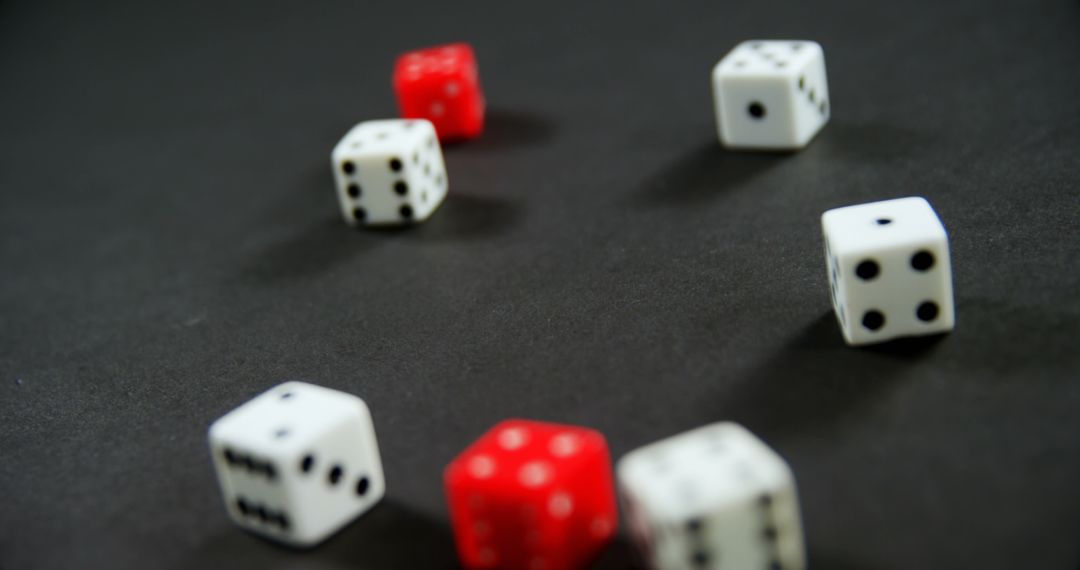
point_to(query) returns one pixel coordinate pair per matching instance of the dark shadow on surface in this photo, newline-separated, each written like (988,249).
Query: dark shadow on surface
(907,347)
(389,537)
(869,141)
(506,129)
(816,380)
(317,249)
(825,562)
(393,537)
(619,555)
(705,174)
(464,217)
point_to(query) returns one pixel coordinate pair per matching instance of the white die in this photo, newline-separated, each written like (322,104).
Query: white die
(297,462)
(389,172)
(889,270)
(771,94)
(712,498)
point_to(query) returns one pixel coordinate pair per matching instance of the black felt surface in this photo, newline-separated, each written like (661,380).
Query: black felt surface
(170,246)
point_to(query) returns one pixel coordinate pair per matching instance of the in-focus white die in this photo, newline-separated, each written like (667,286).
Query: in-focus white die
(297,462)
(712,498)
(889,270)
(389,172)
(771,94)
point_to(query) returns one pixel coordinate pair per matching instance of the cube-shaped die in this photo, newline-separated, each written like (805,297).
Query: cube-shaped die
(532,496)
(771,94)
(441,84)
(297,462)
(712,498)
(389,172)
(889,270)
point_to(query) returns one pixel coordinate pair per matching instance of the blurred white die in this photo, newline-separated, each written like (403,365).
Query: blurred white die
(712,498)
(389,172)
(297,462)
(889,270)
(771,94)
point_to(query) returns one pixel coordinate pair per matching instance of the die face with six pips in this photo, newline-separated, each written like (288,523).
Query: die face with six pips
(297,462)
(389,172)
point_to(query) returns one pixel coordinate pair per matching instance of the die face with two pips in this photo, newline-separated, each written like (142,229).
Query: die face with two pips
(297,462)
(771,94)
(889,270)
(389,172)
(532,495)
(712,498)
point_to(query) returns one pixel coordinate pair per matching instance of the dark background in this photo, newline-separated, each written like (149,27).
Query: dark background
(170,246)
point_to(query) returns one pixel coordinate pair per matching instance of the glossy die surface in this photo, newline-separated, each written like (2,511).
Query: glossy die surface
(297,462)
(441,84)
(710,499)
(771,94)
(889,270)
(532,495)
(389,172)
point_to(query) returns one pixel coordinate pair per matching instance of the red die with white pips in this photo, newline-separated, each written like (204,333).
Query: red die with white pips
(532,496)
(441,84)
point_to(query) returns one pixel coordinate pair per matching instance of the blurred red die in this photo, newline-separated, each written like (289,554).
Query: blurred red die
(532,496)
(441,84)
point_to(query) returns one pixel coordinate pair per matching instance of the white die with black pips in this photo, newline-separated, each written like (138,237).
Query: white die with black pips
(889,270)
(771,94)
(297,462)
(389,172)
(712,498)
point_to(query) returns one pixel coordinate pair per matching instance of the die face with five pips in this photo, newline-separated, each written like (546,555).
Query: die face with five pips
(532,495)
(297,462)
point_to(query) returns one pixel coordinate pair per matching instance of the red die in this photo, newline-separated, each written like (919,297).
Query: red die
(441,84)
(532,496)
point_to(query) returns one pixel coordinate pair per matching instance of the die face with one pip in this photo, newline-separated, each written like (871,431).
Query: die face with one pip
(297,462)
(771,95)
(389,172)
(712,498)
(441,84)
(532,496)
(889,270)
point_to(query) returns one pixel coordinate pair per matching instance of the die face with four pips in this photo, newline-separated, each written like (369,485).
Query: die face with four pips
(389,172)
(771,94)
(712,498)
(889,270)
(297,462)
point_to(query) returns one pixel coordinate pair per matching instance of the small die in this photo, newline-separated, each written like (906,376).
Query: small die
(297,462)
(889,270)
(389,172)
(532,495)
(771,94)
(441,84)
(712,498)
